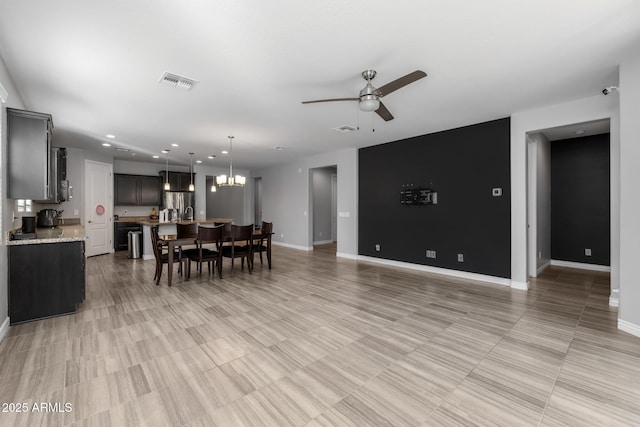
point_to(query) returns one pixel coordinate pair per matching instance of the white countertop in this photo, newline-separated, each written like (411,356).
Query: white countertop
(60,234)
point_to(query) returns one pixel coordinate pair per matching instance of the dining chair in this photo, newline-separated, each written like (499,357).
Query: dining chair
(163,258)
(239,239)
(207,236)
(264,243)
(187,231)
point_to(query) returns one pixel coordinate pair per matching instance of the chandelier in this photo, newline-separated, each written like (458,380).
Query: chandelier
(230,181)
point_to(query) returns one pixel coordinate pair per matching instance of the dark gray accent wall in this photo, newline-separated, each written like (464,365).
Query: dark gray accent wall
(580,199)
(463,165)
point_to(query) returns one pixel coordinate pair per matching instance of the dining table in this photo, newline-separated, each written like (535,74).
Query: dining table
(171,241)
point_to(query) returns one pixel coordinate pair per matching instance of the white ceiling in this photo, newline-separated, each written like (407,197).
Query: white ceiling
(95,67)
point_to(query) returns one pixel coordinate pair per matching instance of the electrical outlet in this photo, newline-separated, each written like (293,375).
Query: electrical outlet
(460,257)
(76,212)
(431,254)
(377,247)
(587,252)
(497,192)
(539,255)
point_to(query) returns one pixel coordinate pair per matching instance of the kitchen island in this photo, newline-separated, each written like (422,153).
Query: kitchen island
(164,228)
(47,274)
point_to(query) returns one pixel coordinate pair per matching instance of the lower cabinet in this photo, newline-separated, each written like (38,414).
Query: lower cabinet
(121,234)
(45,280)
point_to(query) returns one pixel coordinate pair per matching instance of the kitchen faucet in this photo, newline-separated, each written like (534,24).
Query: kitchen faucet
(189,213)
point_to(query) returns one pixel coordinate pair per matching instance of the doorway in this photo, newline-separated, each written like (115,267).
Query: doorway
(568,217)
(225,202)
(324,206)
(257,201)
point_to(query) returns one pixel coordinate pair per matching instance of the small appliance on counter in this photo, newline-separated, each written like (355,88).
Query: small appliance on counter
(48,218)
(28,224)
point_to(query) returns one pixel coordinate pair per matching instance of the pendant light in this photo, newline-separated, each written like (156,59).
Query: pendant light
(167,186)
(191,186)
(230,181)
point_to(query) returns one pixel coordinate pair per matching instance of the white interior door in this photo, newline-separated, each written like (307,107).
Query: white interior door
(98,207)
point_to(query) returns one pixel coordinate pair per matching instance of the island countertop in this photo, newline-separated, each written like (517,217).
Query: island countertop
(187,222)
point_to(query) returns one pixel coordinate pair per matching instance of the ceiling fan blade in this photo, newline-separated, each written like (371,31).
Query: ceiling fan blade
(331,100)
(401,82)
(384,113)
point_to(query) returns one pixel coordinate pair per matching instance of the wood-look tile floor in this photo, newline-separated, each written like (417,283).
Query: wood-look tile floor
(324,341)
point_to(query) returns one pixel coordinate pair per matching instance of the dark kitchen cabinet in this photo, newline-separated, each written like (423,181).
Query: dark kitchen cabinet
(137,190)
(45,280)
(179,181)
(120,234)
(29,154)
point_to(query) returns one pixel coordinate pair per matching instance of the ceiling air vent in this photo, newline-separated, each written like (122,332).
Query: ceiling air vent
(345,128)
(178,81)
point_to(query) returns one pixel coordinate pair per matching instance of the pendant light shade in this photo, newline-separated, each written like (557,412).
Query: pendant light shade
(191,186)
(230,180)
(167,186)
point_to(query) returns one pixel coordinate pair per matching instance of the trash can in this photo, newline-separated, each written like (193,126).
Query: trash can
(134,244)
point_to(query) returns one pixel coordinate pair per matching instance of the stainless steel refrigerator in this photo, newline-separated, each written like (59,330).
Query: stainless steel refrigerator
(180,201)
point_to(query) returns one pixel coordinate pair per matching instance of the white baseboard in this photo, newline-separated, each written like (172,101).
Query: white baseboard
(581,265)
(629,327)
(437,270)
(287,245)
(543,267)
(4,328)
(614,298)
(323,242)
(346,255)
(523,286)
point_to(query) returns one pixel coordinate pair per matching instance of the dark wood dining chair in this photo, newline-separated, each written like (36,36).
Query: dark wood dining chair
(207,236)
(163,258)
(264,243)
(239,244)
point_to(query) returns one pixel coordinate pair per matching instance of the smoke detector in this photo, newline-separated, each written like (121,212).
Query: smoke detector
(175,80)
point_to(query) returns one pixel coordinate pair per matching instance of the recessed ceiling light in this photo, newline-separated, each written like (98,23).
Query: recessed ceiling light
(579,132)
(213,156)
(198,161)
(123,149)
(225,152)
(174,145)
(164,151)
(156,157)
(110,136)
(106,144)
(133,154)
(279,148)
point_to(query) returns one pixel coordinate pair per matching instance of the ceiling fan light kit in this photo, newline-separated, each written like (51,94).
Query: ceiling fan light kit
(369,97)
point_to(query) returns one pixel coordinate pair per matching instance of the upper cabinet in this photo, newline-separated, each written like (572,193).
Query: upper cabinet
(28,155)
(137,190)
(179,181)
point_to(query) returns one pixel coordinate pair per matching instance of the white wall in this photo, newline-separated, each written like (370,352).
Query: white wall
(6,205)
(286,200)
(629,314)
(540,209)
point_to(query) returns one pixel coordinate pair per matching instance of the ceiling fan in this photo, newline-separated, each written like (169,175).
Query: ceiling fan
(369,97)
